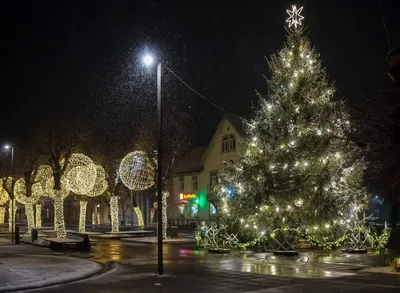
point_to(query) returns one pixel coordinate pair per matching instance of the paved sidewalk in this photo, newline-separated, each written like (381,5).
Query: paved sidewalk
(24,267)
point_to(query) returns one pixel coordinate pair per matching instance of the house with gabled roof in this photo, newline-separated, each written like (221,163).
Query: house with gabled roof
(195,173)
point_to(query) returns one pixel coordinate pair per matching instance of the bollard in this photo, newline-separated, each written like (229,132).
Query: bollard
(34,235)
(17,237)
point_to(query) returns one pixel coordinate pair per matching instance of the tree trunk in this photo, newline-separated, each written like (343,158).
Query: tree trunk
(137,210)
(30,217)
(38,216)
(2,214)
(114,214)
(82,216)
(11,218)
(59,214)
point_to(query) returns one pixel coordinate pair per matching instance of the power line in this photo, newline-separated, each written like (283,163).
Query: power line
(384,24)
(200,95)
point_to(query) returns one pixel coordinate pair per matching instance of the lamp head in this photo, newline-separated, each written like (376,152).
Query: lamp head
(148,60)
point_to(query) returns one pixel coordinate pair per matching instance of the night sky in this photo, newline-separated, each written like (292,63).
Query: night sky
(65,56)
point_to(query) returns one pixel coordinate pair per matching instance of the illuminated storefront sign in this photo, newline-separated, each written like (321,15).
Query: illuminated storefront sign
(187,196)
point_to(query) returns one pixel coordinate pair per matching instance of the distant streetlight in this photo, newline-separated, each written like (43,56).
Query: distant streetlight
(148,60)
(7,147)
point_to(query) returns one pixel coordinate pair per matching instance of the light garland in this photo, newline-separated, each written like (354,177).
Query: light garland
(80,174)
(21,195)
(59,224)
(4,197)
(38,215)
(2,214)
(100,185)
(139,216)
(82,215)
(43,174)
(114,214)
(30,216)
(165,195)
(136,171)
(11,218)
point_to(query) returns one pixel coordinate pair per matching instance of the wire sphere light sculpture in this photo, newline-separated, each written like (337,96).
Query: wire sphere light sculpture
(136,171)
(20,192)
(100,184)
(4,197)
(80,174)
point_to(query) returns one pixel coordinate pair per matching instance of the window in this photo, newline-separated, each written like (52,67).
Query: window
(213,178)
(232,143)
(194,182)
(225,145)
(213,210)
(181,208)
(181,183)
(194,211)
(228,143)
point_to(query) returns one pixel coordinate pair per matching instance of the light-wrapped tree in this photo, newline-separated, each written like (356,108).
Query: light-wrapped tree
(297,169)
(99,187)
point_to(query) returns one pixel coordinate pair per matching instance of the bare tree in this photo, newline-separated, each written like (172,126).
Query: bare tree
(377,131)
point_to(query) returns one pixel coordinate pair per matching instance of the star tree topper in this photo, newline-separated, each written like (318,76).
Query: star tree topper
(294,16)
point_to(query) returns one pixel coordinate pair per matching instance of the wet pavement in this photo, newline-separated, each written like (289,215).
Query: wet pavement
(132,268)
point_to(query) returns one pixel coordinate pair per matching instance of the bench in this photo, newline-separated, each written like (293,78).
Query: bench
(76,240)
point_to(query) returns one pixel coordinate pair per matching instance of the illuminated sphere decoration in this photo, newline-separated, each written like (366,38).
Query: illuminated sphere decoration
(136,171)
(100,183)
(80,174)
(20,192)
(4,197)
(50,189)
(43,174)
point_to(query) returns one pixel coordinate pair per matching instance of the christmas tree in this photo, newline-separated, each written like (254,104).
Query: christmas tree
(297,170)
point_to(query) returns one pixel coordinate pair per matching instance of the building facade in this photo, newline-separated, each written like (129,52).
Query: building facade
(196,173)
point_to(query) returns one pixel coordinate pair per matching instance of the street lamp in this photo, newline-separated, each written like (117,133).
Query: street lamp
(148,60)
(7,147)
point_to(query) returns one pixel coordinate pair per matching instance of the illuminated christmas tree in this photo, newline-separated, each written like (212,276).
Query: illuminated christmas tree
(297,170)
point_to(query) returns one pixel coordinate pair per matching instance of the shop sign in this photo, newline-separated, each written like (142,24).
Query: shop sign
(187,196)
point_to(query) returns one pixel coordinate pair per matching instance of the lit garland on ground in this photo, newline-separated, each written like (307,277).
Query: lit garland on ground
(2,214)
(165,195)
(11,216)
(82,215)
(38,215)
(114,214)
(80,174)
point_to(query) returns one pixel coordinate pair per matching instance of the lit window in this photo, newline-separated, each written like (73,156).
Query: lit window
(194,182)
(194,211)
(213,210)
(181,183)
(181,208)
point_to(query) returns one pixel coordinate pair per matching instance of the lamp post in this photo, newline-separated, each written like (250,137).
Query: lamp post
(7,147)
(148,60)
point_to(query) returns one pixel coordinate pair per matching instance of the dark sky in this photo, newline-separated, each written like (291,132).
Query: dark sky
(65,56)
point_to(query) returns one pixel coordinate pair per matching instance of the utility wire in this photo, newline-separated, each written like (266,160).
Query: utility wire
(384,24)
(200,95)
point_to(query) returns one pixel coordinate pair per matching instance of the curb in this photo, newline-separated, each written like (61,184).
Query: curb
(101,268)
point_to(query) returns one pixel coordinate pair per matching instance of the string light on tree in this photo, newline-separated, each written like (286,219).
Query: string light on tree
(80,174)
(114,214)
(38,214)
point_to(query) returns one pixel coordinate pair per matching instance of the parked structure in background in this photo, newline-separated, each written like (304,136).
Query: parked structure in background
(192,198)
